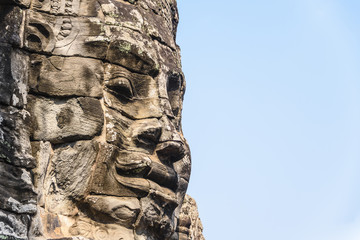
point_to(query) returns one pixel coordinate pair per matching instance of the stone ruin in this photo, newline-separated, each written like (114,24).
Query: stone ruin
(91,145)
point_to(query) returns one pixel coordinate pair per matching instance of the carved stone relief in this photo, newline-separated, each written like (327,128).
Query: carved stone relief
(91,145)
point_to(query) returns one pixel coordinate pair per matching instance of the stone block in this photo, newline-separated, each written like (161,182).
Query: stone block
(58,120)
(13,226)
(72,165)
(13,76)
(11,23)
(66,76)
(17,193)
(69,172)
(65,35)
(15,146)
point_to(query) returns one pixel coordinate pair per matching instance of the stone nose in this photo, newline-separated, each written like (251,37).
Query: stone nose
(161,136)
(147,134)
(171,146)
(170,151)
(169,131)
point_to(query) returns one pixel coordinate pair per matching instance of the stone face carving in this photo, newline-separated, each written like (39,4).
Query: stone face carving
(91,145)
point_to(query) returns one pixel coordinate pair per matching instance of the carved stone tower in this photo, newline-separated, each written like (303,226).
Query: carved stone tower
(91,145)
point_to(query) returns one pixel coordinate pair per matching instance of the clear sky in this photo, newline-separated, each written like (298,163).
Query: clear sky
(272,115)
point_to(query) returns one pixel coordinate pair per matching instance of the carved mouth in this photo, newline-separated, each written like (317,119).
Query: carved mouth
(137,167)
(144,174)
(123,209)
(163,175)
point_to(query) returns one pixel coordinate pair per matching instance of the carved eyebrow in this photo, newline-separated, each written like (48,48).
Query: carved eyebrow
(123,74)
(131,76)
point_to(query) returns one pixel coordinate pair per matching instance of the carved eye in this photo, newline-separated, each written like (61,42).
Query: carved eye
(174,83)
(174,92)
(121,86)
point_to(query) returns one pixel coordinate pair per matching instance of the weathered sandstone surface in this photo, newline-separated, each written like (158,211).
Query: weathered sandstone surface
(91,145)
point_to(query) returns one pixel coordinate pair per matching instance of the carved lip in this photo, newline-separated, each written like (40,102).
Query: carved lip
(149,187)
(124,209)
(140,167)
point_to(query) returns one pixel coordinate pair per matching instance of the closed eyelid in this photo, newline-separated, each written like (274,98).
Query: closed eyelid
(120,74)
(123,75)
(121,85)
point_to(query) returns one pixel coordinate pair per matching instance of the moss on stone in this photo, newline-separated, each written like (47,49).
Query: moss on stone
(124,47)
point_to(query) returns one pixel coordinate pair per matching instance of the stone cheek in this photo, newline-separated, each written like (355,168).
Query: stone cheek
(109,184)
(67,176)
(71,166)
(59,121)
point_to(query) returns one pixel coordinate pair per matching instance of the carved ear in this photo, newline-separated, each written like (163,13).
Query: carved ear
(39,35)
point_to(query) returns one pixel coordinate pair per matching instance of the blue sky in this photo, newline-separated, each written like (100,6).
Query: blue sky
(272,115)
